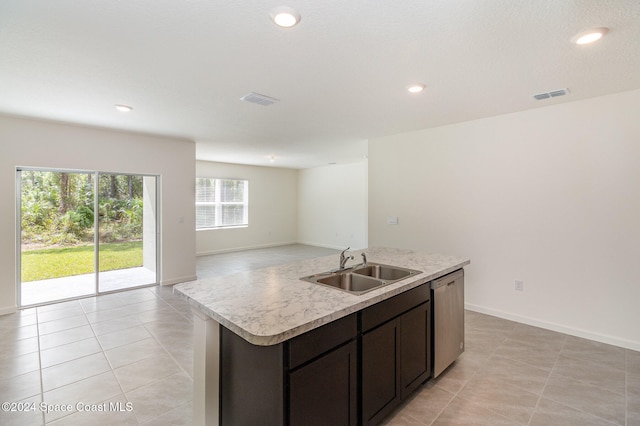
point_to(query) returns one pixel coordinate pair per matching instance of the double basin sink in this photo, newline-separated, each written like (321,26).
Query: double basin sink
(362,278)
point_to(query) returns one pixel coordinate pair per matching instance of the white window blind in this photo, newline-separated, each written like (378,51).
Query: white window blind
(221,203)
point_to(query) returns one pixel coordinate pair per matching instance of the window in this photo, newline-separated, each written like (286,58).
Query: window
(221,203)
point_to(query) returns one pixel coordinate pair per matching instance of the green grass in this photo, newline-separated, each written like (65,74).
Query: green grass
(66,261)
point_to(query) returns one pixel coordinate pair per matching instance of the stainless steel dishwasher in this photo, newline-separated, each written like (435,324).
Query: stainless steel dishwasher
(448,320)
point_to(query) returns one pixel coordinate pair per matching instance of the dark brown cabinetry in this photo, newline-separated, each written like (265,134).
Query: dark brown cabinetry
(380,371)
(354,370)
(251,385)
(395,351)
(415,348)
(308,380)
(323,379)
(324,392)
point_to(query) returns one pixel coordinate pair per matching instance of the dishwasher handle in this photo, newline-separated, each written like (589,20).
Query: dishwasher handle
(447,280)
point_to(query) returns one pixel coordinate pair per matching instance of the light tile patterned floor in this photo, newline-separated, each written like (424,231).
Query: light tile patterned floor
(135,348)
(515,374)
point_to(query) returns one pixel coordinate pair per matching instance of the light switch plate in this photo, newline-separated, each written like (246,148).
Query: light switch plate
(392,220)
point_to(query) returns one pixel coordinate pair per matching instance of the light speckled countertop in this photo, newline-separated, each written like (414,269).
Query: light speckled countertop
(271,305)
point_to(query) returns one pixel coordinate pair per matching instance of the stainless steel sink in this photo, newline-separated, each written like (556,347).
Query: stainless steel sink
(383,272)
(350,282)
(361,278)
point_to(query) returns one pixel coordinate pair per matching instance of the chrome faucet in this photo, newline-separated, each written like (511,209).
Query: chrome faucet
(343,259)
(364,259)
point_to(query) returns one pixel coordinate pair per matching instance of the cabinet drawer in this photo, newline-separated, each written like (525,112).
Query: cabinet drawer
(316,342)
(391,308)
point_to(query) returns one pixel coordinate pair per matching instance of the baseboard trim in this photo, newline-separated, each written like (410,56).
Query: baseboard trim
(585,334)
(280,244)
(329,246)
(254,247)
(179,280)
(8,310)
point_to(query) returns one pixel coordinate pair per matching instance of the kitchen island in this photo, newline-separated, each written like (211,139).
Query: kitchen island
(271,307)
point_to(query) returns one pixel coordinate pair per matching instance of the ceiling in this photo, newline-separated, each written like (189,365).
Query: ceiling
(340,74)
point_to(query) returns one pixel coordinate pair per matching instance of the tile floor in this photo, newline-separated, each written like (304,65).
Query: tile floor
(130,354)
(515,374)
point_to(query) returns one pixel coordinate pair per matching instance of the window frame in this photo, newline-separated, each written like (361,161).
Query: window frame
(218,205)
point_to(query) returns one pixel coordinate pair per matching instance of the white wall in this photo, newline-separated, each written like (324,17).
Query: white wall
(332,206)
(273,204)
(549,196)
(33,143)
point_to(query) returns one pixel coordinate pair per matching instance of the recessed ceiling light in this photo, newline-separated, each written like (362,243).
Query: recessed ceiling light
(123,108)
(416,88)
(285,17)
(589,36)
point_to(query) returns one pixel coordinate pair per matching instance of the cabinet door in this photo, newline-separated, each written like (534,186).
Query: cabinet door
(380,371)
(324,392)
(415,348)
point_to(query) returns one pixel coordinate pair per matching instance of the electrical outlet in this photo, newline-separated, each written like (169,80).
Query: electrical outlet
(519,286)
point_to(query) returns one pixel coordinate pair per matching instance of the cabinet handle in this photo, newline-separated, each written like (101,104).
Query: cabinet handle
(452,282)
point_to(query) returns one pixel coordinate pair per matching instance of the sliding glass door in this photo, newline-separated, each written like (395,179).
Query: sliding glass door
(57,235)
(126,237)
(84,233)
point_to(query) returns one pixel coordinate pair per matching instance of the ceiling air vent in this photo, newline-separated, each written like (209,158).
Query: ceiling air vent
(257,98)
(552,94)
